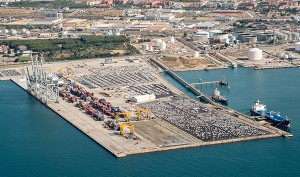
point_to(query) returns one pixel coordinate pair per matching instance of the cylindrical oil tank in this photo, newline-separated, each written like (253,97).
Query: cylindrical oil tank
(200,37)
(255,54)
(297,46)
(251,39)
(220,36)
(212,32)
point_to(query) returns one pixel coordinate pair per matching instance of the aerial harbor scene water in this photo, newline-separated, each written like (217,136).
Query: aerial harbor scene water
(148,88)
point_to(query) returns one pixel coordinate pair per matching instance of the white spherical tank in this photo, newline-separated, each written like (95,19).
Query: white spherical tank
(13,32)
(255,54)
(297,46)
(23,31)
(5,31)
(286,57)
(171,39)
(27,34)
(196,54)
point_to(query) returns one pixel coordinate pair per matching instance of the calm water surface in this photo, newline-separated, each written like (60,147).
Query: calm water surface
(34,141)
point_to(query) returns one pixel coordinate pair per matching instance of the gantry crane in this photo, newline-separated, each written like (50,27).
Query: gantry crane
(140,112)
(126,115)
(124,125)
(61,70)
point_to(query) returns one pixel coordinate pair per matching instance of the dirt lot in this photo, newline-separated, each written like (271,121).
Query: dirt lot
(183,63)
(19,13)
(163,134)
(96,13)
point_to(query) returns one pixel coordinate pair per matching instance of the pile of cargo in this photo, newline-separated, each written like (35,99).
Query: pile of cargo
(95,107)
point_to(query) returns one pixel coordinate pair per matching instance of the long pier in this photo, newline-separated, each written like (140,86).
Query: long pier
(206,83)
(206,99)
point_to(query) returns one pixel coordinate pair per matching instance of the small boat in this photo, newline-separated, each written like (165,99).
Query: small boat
(223,82)
(233,65)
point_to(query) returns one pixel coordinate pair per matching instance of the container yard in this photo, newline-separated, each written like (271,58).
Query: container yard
(128,108)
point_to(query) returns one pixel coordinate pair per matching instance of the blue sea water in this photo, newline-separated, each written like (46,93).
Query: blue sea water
(34,141)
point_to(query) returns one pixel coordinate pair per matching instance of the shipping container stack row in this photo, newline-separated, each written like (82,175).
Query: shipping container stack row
(88,102)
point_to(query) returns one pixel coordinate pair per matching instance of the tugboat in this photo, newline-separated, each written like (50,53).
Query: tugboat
(273,117)
(223,82)
(218,98)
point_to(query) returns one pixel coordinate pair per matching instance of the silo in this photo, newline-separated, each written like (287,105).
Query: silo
(158,41)
(297,46)
(255,54)
(196,54)
(172,39)
(162,46)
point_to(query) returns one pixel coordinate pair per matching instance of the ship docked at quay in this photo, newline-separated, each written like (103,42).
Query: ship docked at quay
(273,117)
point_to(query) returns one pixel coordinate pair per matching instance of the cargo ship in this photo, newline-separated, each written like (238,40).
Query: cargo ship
(218,98)
(273,117)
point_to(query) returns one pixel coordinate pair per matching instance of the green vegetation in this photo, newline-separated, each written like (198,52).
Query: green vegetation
(49,4)
(72,48)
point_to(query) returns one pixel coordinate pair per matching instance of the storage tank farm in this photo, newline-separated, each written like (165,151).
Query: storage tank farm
(255,54)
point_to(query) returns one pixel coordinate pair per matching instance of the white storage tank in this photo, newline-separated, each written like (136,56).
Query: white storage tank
(285,57)
(162,46)
(27,34)
(220,36)
(5,31)
(196,54)
(171,39)
(297,46)
(13,32)
(150,48)
(255,54)
(158,41)
(226,41)
(143,98)
(212,32)
(23,31)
